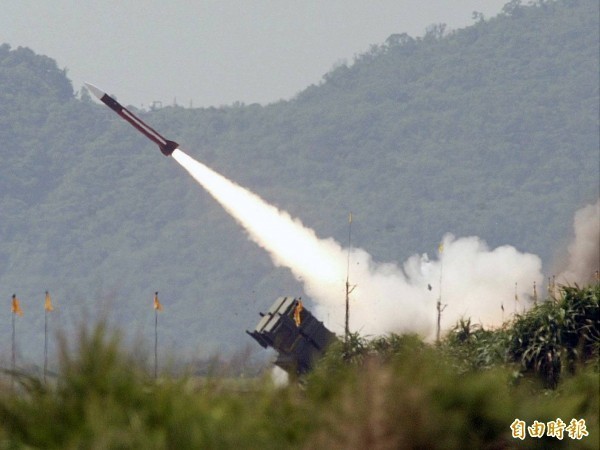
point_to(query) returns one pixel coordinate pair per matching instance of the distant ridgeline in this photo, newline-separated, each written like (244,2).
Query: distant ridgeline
(491,130)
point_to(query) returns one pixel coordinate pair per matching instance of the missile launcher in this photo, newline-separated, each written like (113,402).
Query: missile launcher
(297,336)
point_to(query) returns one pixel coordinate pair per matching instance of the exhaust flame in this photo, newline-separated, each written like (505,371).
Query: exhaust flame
(470,279)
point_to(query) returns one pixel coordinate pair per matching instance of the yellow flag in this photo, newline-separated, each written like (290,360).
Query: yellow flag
(297,311)
(350,218)
(16,308)
(157,305)
(48,303)
(441,247)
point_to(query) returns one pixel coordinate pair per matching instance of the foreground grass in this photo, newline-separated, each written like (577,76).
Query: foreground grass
(391,392)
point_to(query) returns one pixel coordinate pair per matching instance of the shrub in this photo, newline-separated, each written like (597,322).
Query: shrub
(558,334)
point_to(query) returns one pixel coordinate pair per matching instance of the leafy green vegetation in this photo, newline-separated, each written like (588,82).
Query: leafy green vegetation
(387,392)
(550,340)
(491,130)
(557,335)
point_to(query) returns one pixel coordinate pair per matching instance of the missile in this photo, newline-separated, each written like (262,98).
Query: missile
(166,147)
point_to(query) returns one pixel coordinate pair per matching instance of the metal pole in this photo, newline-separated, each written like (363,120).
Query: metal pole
(347,321)
(45,343)
(14,366)
(439,306)
(155,343)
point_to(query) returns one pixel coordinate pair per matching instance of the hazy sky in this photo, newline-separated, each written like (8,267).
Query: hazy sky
(214,53)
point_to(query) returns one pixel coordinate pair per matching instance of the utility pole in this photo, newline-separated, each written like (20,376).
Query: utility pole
(349,288)
(439,308)
(439,305)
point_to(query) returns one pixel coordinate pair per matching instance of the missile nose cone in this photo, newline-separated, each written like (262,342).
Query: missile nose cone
(94,90)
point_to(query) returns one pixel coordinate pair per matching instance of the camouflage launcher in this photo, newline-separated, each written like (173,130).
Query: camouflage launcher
(289,328)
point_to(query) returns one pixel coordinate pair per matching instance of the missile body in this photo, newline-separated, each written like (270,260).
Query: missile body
(166,147)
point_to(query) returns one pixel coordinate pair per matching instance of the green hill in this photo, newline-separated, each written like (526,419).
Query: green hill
(490,131)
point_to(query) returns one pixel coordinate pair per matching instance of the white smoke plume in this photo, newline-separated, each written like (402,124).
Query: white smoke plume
(584,251)
(472,280)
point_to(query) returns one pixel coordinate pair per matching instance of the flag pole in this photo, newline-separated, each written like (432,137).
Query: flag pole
(46,335)
(45,343)
(47,308)
(155,343)
(13,357)
(16,309)
(157,307)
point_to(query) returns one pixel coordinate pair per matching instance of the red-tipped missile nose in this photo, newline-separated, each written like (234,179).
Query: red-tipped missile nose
(166,146)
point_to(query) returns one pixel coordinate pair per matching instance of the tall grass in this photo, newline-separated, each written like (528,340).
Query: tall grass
(388,392)
(103,398)
(419,398)
(559,335)
(552,340)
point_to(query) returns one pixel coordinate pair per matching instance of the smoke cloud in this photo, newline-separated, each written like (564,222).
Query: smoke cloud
(466,276)
(584,251)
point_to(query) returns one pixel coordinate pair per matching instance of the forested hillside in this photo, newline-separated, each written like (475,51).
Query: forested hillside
(490,131)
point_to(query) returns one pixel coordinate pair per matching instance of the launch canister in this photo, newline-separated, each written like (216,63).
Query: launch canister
(166,147)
